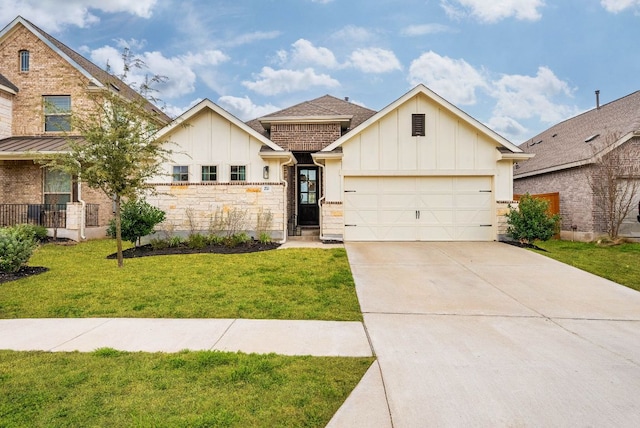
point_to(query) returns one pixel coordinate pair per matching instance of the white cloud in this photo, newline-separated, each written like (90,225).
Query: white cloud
(524,97)
(180,70)
(54,15)
(615,6)
(423,29)
(274,82)
(494,10)
(352,34)
(374,60)
(304,52)
(244,108)
(248,38)
(453,79)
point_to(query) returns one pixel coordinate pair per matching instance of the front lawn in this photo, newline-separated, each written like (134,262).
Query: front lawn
(618,263)
(188,389)
(300,283)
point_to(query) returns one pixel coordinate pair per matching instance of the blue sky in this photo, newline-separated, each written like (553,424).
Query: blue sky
(518,66)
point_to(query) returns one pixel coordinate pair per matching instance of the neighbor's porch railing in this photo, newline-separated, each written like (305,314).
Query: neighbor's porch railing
(47,215)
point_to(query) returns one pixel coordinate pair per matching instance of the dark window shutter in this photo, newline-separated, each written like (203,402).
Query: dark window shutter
(418,126)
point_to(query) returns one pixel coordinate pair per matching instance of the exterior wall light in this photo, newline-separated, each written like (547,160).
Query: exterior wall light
(265,172)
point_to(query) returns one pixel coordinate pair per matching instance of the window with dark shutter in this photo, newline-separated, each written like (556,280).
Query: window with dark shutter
(418,128)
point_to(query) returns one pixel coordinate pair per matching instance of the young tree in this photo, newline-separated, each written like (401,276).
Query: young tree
(118,152)
(614,179)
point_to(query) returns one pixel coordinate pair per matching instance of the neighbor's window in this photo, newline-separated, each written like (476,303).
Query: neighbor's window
(24,60)
(180,173)
(209,173)
(57,187)
(238,173)
(418,127)
(57,113)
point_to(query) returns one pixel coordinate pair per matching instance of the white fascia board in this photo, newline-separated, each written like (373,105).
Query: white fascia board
(8,90)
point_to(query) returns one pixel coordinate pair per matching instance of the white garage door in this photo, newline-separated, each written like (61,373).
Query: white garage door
(418,209)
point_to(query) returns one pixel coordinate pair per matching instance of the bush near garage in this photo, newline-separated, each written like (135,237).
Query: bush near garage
(531,221)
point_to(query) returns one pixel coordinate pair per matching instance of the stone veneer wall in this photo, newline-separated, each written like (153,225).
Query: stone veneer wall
(305,136)
(502,209)
(197,203)
(332,228)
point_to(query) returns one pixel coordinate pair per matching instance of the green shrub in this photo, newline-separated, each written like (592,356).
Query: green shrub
(31,231)
(15,249)
(138,219)
(196,241)
(159,244)
(264,238)
(236,239)
(175,241)
(215,240)
(531,221)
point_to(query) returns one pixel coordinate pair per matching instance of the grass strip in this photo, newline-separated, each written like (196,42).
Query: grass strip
(619,263)
(187,389)
(300,284)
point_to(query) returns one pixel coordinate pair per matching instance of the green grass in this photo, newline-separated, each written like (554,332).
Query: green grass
(278,284)
(618,263)
(188,389)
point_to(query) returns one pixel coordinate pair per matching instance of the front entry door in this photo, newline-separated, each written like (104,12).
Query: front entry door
(308,192)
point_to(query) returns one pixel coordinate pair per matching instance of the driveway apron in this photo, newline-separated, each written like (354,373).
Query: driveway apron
(487,334)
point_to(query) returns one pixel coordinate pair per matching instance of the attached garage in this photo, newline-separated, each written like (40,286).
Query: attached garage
(421,208)
(419,170)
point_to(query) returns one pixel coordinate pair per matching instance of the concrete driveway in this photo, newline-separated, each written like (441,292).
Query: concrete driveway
(487,334)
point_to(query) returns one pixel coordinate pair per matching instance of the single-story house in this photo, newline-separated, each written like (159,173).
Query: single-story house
(418,170)
(566,155)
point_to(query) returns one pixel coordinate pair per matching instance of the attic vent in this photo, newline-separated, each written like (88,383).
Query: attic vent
(533,143)
(418,125)
(114,87)
(554,135)
(591,138)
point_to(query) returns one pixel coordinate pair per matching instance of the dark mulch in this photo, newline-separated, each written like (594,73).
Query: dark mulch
(524,245)
(24,272)
(148,250)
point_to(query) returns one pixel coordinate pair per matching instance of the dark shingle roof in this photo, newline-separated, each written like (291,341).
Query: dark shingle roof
(326,105)
(5,82)
(564,144)
(98,73)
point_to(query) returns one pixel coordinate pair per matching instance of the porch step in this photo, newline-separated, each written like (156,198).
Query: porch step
(307,234)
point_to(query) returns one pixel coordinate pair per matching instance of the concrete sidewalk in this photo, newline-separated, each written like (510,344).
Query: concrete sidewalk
(316,338)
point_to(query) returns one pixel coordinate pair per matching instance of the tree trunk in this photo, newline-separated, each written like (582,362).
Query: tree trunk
(119,232)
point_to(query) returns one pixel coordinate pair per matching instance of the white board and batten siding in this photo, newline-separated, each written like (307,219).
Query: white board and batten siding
(437,187)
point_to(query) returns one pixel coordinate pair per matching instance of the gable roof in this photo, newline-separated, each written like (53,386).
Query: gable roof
(7,86)
(324,108)
(571,143)
(510,148)
(208,104)
(96,75)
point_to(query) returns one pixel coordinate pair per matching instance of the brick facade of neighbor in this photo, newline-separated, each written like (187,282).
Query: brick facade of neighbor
(49,74)
(581,218)
(304,137)
(193,206)
(576,204)
(22,182)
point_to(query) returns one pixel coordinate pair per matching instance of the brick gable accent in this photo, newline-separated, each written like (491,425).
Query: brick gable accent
(305,137)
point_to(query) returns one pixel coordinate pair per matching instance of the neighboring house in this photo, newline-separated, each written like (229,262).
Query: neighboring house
(42,82)
(419,170)
(564,159)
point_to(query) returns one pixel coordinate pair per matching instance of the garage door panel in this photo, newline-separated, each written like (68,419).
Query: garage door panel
(419,208)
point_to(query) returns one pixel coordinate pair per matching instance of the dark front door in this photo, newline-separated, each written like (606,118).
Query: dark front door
(308,193)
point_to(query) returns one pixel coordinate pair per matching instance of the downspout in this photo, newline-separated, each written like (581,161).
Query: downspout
(321,166)
(286,195)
